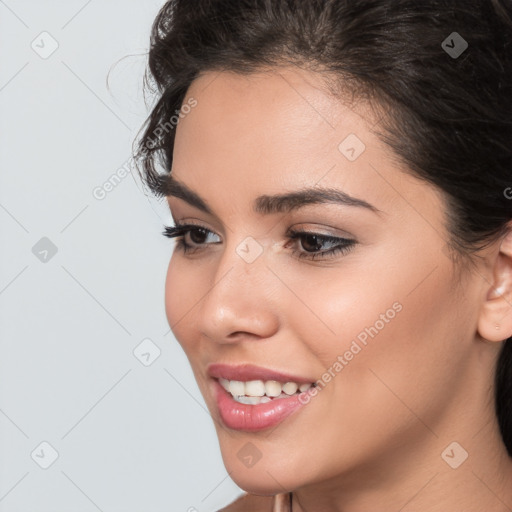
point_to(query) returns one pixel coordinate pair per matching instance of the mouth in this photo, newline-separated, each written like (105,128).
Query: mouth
(251,398)
(256,392)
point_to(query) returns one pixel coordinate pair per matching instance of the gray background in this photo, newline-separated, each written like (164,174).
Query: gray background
(82,279)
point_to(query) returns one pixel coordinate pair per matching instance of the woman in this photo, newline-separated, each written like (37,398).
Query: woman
(340,178)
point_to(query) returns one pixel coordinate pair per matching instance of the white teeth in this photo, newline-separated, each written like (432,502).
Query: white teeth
(290,388)
(236,387)
(273,388)
(255,388)
(257,391)
(224,383)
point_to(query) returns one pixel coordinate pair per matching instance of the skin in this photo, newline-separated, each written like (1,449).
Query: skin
(372,438)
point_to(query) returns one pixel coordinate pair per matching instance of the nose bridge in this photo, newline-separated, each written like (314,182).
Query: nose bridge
(239,300)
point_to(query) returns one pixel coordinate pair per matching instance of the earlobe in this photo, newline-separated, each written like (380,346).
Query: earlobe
(495,321)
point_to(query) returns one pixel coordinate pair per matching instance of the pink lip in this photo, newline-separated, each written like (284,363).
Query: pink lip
(251,418)
(246,372)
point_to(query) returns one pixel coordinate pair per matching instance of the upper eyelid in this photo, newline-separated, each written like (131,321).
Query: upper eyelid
(187,226)
(195,223)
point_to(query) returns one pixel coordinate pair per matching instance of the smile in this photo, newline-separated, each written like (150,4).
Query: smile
(255,392)
(252,403)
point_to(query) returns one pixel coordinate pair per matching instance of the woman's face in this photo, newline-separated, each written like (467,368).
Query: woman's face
(382,327)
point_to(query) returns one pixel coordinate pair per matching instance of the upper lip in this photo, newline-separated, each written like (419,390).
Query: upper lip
(247,372)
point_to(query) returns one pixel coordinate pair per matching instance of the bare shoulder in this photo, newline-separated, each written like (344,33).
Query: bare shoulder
(250,502)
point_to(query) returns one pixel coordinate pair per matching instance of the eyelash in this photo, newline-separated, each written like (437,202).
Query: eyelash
(343,247)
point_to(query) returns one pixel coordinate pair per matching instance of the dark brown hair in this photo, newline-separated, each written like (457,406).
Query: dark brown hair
(449,108)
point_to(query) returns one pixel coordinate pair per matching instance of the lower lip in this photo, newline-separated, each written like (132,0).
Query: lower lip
(251,418)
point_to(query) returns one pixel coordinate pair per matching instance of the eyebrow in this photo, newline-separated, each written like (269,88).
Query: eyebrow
(267,204)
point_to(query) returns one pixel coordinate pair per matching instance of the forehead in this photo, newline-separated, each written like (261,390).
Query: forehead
(284,106)
(280,130)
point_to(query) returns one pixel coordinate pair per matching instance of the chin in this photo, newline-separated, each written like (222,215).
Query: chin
(260,484)
(264,477)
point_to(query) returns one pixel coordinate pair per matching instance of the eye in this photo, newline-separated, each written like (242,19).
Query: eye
(310,241)
(197,234)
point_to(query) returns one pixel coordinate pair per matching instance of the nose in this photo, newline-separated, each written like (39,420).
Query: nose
(242,301)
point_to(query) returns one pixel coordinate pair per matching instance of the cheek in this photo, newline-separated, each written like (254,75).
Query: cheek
(183,293)
(388,317)
(387,334)
(379,308)
(351,319)
(172,287)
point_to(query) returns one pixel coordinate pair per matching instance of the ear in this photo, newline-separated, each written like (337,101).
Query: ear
(495,321)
